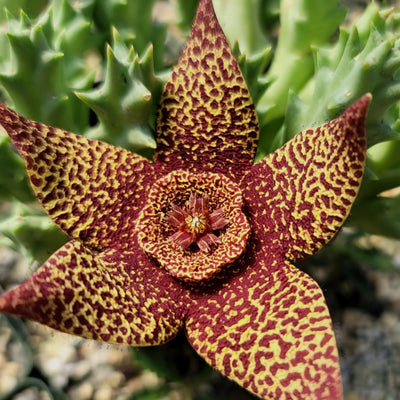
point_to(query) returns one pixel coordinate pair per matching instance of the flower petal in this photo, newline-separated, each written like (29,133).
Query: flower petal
(112,297)
(270,331)
(207,120)
(84,185)
(300,195)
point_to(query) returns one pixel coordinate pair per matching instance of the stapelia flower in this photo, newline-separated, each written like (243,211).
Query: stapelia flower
(201,237)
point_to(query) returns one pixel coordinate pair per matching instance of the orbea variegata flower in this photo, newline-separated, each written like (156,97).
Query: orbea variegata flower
(201,237)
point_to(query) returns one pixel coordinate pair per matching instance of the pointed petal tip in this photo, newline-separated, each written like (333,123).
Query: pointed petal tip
(360,107)
(205,4)
(9,119)
(363,102)
(208,76)
(4,112)
(354,117)
(205,16)
(3,305)
(14,301)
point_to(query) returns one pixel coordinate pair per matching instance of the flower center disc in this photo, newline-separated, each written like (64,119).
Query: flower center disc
(193,224)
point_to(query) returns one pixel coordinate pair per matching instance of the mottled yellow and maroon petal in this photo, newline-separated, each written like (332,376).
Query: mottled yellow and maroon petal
(91,189)
(269,330)
(206,120)
(113,297)
(300,195)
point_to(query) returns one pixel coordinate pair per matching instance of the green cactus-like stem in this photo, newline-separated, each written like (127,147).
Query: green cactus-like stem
(123,104)
(379,215)
(232,13)
(356,64)
(13,179)
(304,24)
(38,77)
(26,230)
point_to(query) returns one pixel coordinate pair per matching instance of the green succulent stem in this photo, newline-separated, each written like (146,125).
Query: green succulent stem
(304,25)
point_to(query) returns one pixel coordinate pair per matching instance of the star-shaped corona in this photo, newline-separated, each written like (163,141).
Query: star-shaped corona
(197,224)
(201,238)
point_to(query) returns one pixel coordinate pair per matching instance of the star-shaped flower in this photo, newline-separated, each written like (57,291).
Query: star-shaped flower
(201,237)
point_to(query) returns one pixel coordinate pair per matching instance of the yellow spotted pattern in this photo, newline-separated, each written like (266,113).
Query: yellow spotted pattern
(270,331)
(261,322)
(301,194)
(78,180)
(107,296)
(266,326)
(206,120)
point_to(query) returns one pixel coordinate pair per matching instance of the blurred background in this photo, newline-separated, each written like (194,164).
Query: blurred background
(97,67)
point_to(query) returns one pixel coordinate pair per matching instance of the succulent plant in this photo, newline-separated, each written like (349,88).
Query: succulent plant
(57,68)
(98,67)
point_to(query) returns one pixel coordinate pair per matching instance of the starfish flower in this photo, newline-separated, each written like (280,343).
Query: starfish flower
(200,238)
